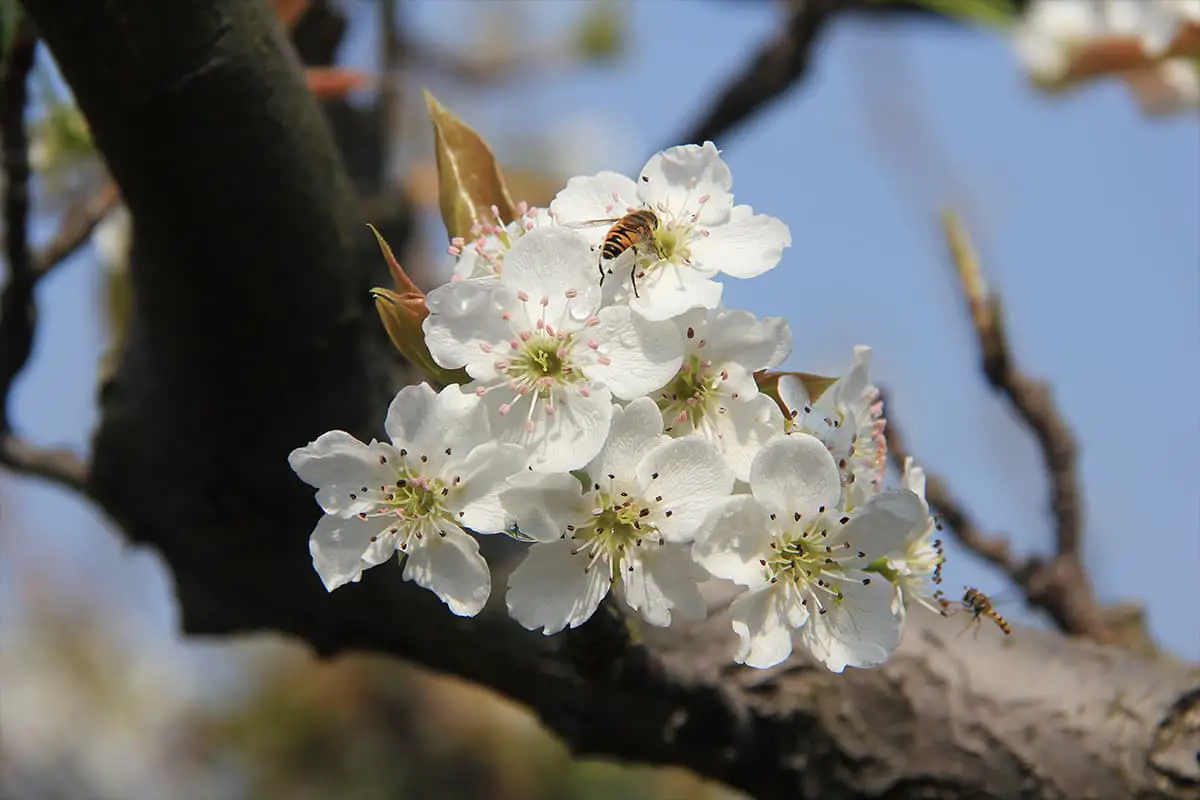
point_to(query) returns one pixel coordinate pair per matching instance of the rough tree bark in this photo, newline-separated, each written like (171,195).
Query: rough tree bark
(252,332)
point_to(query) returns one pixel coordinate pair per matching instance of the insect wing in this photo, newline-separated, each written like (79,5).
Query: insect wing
(591,223)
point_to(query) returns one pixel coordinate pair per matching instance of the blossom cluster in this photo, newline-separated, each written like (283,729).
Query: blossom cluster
(1151,44)
(629,429)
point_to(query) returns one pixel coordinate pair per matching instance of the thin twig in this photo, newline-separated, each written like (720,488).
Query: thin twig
(993,549)
(18,313)
(1030,398)
(779,64)
(1061,585)
(76,228)
(61,467)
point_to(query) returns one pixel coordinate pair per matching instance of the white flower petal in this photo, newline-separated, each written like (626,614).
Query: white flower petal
(465,321)
(913,478)
(428,424)
(740,337)
(884,523)
(734,540)
(556,270)
(745,246)
(544,504)
(762,626)
(337,546)
(743,430)
(339,465)
(679,179)
(662,580)
(795,474)
(669,290)
(858,631)
(606,196)
(636,430)
(484,475)
(643,355)
(553,588)
(691,477)
(451,567)
(794,395)
(855,385)
(560,441)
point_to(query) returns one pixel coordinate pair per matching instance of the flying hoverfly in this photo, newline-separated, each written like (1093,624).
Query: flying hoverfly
(627,233)
(979,605)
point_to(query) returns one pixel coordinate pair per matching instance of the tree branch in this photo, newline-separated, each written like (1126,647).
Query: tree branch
(1060,586)
(61,467)
(18,313)
(778,65)
(1031,399)
(76,228)
(951,513)
(782,62)
(252,332)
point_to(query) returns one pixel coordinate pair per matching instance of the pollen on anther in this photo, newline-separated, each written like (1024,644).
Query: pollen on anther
(796,516)
(844,520)
(658,498)
(668,512)
(362,515)
(866,581)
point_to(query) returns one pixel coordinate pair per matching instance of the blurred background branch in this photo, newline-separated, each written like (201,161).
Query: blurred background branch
(18,305)
(1060,586)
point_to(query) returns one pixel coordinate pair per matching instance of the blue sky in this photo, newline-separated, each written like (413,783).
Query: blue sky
(1085,214)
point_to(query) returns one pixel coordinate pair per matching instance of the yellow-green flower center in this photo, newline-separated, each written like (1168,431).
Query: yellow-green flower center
(542,363)
(691,393)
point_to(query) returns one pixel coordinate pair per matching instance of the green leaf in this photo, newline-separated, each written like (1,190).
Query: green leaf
(990,13)
(470,182)
(402,313)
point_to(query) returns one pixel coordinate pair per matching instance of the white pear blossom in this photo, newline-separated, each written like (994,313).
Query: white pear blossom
(848,418)
(715,394)
(482,255)
(1167,87)
(646,494)
(544,356)
(700,231)
(804,560)
(1052,33)
(439,473)
(916,566)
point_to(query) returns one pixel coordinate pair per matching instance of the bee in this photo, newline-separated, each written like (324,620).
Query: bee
(980,605)
(627,233)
